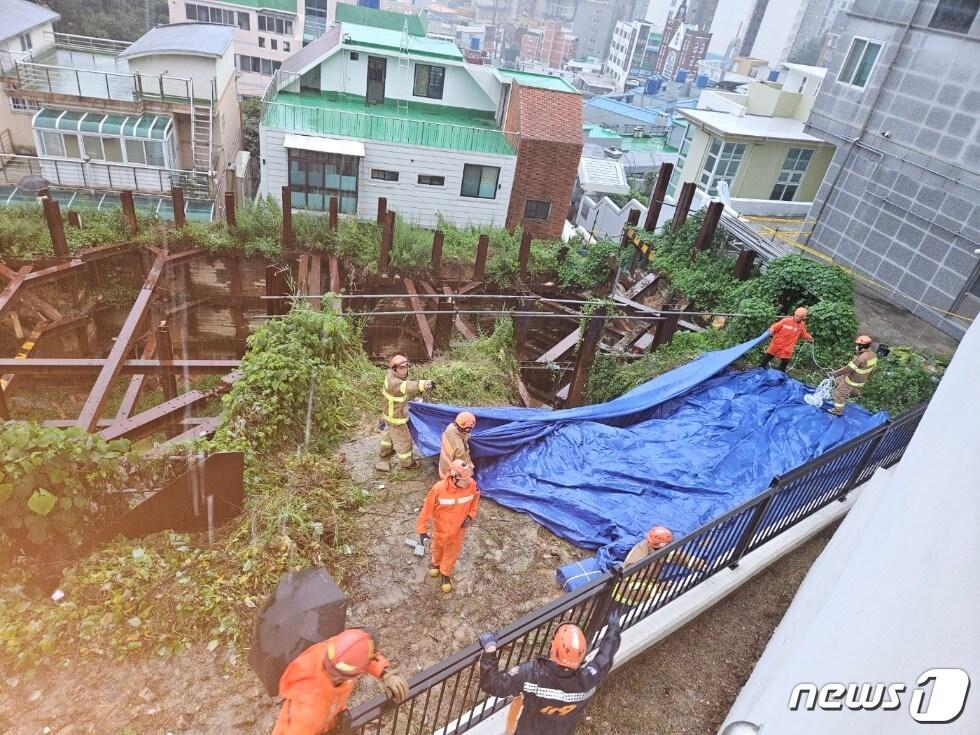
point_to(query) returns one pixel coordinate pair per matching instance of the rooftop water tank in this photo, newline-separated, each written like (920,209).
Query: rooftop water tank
(654,85)
(681,76)
(702,81)
(773,75)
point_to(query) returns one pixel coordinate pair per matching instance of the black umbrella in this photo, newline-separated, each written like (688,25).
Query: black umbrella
(33,183)
(307,607)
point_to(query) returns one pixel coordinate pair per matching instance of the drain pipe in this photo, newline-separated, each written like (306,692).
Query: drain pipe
(852,142)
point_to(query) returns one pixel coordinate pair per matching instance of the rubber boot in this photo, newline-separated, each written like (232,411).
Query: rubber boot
(433,571)
(447,584)
(382,465)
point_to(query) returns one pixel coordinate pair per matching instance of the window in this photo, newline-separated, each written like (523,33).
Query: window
(256,65)
(221,16)
(52,143)
(536,209)
(790,177)
(429,81)
(274,44)
(261,42)
(134,152)
(20,104)
(721,164)
(285,46)
(379,173)
(112,147)
(317,177)
(273,24)
(480,181)
(955,15)
(25,42)
(432,180)
(859,62)
(93,147)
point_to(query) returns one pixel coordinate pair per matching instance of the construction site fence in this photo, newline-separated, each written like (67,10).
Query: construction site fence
(446,698)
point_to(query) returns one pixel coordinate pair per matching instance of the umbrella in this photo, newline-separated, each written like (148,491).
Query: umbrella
(307,607)
(33,183)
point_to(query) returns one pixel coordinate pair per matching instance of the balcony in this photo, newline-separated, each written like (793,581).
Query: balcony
(345,115)
(88,68)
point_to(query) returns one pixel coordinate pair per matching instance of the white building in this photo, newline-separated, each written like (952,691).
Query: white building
(626,50)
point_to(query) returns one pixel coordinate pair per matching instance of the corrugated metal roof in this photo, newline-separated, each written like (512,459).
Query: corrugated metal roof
(19,16)
(198,39)
(651,115)
(602,176)
(313,53)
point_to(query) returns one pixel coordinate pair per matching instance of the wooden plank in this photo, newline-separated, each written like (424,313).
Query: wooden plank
(526,398)
(95,403)
(7,273)
(423,323)
(7,295)
(15,322)
(461,326)
(42,307)
(471,286)
(561,348)
(640,286)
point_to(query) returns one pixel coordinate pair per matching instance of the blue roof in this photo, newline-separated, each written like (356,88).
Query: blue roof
(643,114)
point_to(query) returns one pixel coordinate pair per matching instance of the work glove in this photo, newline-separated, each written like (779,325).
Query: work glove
(423,537)
(488,642)
(467,522)
(395,686)
(381,424)
(616,570)
(613,620)
(428,385)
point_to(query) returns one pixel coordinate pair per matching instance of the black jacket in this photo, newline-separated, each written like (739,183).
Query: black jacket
(554,697)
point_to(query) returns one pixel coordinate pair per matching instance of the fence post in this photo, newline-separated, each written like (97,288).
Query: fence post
(387,238)
(657,197)
(437,240)
(600,610)
(524,254)
(743,266)
(129,211)
(444,322)
(586,356)
(866,455)
(664,333)
(521,324)
(287,218)
(274,287)
(382,209)
(334,213)
(481,258)
(52,213)
(165,351)
(684,204)
(760,511)
(75,219)
(707,232)
(230,208)
(4,408)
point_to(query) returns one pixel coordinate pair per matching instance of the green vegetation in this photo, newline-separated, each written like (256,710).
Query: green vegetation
(120,20)
(478,373)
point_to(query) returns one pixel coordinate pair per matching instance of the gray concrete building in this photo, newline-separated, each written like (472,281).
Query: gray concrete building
(900,204)
(594,23)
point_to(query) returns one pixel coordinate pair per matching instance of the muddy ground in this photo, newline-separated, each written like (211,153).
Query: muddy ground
(683,686)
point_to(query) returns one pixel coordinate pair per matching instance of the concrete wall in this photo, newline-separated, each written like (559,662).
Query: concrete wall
(776,25)
(763,162)
(177,67)
(904,209)
(414,202)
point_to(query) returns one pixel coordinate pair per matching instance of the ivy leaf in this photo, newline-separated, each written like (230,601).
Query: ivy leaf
(42,502)
(6,490)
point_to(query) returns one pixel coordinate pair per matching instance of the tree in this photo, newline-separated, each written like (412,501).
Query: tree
(120,20)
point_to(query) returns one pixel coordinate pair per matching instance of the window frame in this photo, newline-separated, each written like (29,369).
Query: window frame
(22,105)
(858,62)
(723,159)
(384,174)
(790,178)
(478,195)
(268,23)
(26,42)
(430,89)
(431,180)
(348,167)
(951,12)
(535,210)
(225,16)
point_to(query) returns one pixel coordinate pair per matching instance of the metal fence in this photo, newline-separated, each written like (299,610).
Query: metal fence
(446,698)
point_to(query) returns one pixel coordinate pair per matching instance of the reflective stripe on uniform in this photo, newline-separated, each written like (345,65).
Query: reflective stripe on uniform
(392,400)
(853,384)
(455,501)
(557,694)
(404,455)
(863,371)
(386,442)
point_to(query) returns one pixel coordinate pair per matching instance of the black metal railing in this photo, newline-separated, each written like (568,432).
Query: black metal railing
(446,698)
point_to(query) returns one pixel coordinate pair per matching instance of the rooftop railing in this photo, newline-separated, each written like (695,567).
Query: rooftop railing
(446,698)
(74,42)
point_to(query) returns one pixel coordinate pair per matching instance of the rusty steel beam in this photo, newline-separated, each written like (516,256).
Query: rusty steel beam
(165,352)
(334,274)
(177,195)
(287,218)
(657,196)
(90,366)
(480,264)
(461,326)
(683,206)
(82,258)
(136,384)
(230,208)
(95,403)
(423,323)
(586,356)
(708,226)
(204,427)
(167,413)
(7,295)
(524,254)
(52,213)
(438,237)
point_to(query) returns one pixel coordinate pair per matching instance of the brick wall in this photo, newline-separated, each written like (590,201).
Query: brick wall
(548,152)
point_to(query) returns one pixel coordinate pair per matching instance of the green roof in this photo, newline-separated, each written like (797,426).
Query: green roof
(392,40)
(422,124)
(541,81)
(285,6)
(655,144)
(597,131)
(362,16)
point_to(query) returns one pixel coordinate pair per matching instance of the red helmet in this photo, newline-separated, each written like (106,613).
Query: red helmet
(801,312)
(864,340)
(460,470)
(568,647)
(349,653)
(465,420)
(658,537)
(397,361)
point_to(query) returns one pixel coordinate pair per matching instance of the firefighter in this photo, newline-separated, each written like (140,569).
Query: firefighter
(456,442)
(451,505)
(552,693)
(785,334)
(850,379)
(657,538)
(316,685)
(396,391)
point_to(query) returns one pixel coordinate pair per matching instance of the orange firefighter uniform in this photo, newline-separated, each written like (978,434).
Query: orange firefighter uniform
(312,701)
(455,445)
(785,334)
(448,507)
(396,438)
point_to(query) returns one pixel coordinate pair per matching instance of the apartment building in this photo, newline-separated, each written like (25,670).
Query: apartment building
(366,112)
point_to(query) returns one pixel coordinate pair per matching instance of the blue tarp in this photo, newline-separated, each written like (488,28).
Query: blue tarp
(678,451)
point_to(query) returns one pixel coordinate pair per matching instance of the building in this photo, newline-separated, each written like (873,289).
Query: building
(755,144)
(769,27)
(147,116)
(683,45)
(366,112)
(627,51)
(551,45)
(813,21)
(28,29)
(594,24)
(901,203)
(269,31)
